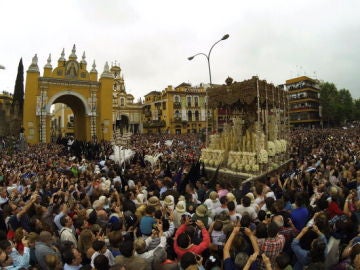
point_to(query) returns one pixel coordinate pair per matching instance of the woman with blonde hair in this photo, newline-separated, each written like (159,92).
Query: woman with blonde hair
(53,262)
(86,238)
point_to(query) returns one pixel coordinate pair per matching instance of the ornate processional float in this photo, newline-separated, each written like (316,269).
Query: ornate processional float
(251,120)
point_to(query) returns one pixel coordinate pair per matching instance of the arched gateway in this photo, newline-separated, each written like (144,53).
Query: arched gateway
(70,83)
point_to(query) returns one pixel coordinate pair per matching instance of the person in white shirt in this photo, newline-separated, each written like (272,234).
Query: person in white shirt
(100,248)
(212,203)
(234,217)
(66,233)
(141,245)
(246,207)
(72,259)
(222,207)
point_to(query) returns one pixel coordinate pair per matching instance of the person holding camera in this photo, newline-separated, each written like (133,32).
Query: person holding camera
(183,242)
(272,245)
(317,250)
(191,261)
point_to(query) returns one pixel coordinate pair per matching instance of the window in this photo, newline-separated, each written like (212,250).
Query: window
(189,116)
(197,115)
(122,102)
(188,100)
(177,114)
(196,101)
(176,99)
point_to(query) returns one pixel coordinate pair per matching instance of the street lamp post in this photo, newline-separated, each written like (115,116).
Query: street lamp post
(206,92)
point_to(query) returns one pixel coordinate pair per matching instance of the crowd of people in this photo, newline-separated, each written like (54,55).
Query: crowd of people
(63,208)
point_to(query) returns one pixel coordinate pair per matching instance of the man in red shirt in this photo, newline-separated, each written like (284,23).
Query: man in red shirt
(183,242)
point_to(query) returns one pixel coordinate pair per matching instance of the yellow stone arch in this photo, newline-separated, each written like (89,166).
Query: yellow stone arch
(70,83)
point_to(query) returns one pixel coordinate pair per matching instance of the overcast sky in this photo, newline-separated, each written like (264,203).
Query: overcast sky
(152,39)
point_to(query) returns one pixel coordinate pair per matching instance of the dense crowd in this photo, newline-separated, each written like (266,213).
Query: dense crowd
(71,207)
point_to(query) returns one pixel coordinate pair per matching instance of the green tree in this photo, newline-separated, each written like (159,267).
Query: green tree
(328,102)
(356,110)
(18,98)
(345,105)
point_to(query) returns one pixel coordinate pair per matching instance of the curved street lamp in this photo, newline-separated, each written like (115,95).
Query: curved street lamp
(206,92)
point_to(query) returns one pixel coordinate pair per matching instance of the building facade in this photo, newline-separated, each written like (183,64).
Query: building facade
(176,110)
(5,113)
(72,84)
(304,102)
(127,114)
(62,121)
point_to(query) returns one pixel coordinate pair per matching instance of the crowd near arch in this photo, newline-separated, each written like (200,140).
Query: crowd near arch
(74,208)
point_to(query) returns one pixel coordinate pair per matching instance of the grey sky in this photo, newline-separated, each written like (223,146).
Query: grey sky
(275,40)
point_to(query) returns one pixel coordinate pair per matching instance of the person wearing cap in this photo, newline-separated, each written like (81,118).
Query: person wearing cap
(201,213)
(179,211)
(154,201)
(169,202)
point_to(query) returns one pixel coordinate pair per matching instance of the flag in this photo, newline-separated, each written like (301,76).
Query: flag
(203,171)
(168,143)
(177,178)
(212,182)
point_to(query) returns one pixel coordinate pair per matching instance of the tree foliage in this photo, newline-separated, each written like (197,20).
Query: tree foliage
(19,87)
(338,106)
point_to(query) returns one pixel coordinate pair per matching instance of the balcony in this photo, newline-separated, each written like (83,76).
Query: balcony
(177,119)
(304,109)
(147,113)
(177,105)
(155,124)
(304,99)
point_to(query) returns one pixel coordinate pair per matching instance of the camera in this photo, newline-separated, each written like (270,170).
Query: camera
(242,229)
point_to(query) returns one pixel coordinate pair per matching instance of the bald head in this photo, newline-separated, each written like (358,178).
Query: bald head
(279,220)
(45,237)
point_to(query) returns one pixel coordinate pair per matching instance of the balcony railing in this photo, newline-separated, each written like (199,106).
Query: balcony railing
(177,105)
(314,97)
(177,119)
(155,124)
(305,108)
